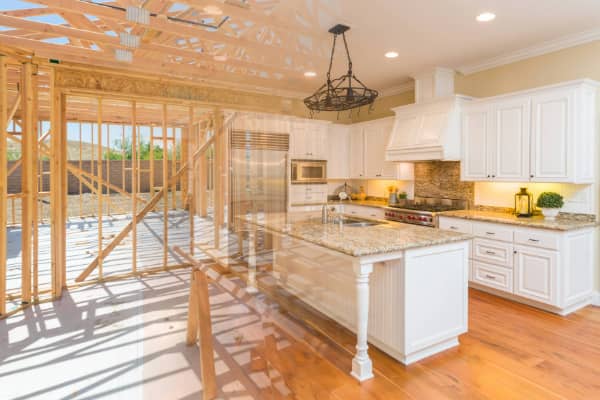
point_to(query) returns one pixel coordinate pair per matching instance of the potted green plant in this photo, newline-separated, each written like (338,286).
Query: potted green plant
(550,204)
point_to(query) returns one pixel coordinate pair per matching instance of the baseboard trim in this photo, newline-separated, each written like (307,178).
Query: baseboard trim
(596,299)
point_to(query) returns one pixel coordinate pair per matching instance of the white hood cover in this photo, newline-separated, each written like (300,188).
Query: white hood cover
(431,128)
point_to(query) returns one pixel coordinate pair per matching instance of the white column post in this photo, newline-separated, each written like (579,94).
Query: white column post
(362,367)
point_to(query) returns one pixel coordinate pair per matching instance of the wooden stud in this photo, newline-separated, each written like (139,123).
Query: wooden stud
(3,181)
(218,197)
(27,179)
(99,168)
(199,326)
(33,121)
(80,167)
(134,185)
(189,198)
(165,188)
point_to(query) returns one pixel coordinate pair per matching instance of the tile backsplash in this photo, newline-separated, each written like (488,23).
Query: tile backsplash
(442,179)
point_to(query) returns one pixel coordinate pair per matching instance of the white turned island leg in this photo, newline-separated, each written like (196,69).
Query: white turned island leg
(362,367)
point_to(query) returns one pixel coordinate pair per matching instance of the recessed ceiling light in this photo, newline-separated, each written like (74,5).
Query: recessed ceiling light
(486,17)
(391,54)
(310,74)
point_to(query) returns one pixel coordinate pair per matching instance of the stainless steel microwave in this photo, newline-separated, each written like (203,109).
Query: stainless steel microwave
(309,171)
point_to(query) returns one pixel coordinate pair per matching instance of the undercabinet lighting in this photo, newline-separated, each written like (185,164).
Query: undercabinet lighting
(486,17)
(124,55)
(138,15)
(310,74)
(391,54)
(129,40)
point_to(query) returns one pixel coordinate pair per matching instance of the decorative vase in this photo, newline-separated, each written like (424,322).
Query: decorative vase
(550,213)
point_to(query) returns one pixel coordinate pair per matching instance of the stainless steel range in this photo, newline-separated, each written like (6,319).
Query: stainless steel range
(422,210)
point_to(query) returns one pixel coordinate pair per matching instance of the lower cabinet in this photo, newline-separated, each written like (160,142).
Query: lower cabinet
(552,270)
(536,274)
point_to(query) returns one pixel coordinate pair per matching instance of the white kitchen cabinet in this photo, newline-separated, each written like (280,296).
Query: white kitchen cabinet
(549,269)
(376,135)
(509,145)
(475,136)
(368,142)
(309,139)
(357,159)
(540,135)
(496,140)
(338,152)
(307,195)
(553,128)
(536,274)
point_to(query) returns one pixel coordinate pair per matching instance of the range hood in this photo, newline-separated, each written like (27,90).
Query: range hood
(430,129)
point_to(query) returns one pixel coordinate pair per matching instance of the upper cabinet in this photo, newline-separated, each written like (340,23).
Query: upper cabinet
(376,135)
(542,135)
(309,139)
(368,144)
(338,152)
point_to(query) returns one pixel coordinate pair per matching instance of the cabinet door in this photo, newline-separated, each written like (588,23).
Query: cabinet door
(536,274)
(552,126)
(376,136)
(338,158)
(356,153)
(475,131)
(299,140)
(316,136)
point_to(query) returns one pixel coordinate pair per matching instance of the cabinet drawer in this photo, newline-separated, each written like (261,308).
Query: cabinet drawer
(537,238)
(494,252)
(492,276)
(493,231)
(455,224)
(372,212)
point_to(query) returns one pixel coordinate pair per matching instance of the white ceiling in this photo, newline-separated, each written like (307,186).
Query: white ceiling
(430,33)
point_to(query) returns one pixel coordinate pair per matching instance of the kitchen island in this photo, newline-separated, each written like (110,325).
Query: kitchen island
(402,287)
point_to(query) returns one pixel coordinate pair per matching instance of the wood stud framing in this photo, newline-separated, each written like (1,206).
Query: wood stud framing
(188,170)
(3,181)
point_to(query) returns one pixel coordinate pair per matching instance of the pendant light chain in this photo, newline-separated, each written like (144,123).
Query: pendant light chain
(345,92)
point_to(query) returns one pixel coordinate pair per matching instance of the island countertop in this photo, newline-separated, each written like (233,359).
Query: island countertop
(356,241)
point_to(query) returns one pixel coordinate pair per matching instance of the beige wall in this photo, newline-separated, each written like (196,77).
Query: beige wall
(573,63)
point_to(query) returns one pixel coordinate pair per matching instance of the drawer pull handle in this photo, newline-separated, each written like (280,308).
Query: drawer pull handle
(490,276)
(490,233)
(454,227)
(490,252)
(534,240)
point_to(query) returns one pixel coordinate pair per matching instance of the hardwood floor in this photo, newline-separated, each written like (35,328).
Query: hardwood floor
(127,339)
(511,351)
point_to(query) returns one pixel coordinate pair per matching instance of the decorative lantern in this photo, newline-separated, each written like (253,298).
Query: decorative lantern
(523,203)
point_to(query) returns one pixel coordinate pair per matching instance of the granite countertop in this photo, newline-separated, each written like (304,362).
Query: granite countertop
(357,241)
(366,203)
(564,222)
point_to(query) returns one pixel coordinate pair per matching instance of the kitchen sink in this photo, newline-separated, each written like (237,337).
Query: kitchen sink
(347,221)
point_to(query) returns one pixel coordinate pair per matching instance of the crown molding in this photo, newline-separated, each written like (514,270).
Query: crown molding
(549,46)
(402,88)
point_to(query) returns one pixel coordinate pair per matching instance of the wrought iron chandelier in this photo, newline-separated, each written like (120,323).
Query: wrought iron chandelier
(343,93)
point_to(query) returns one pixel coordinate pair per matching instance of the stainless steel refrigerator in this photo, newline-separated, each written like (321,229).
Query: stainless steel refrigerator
(258,176)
